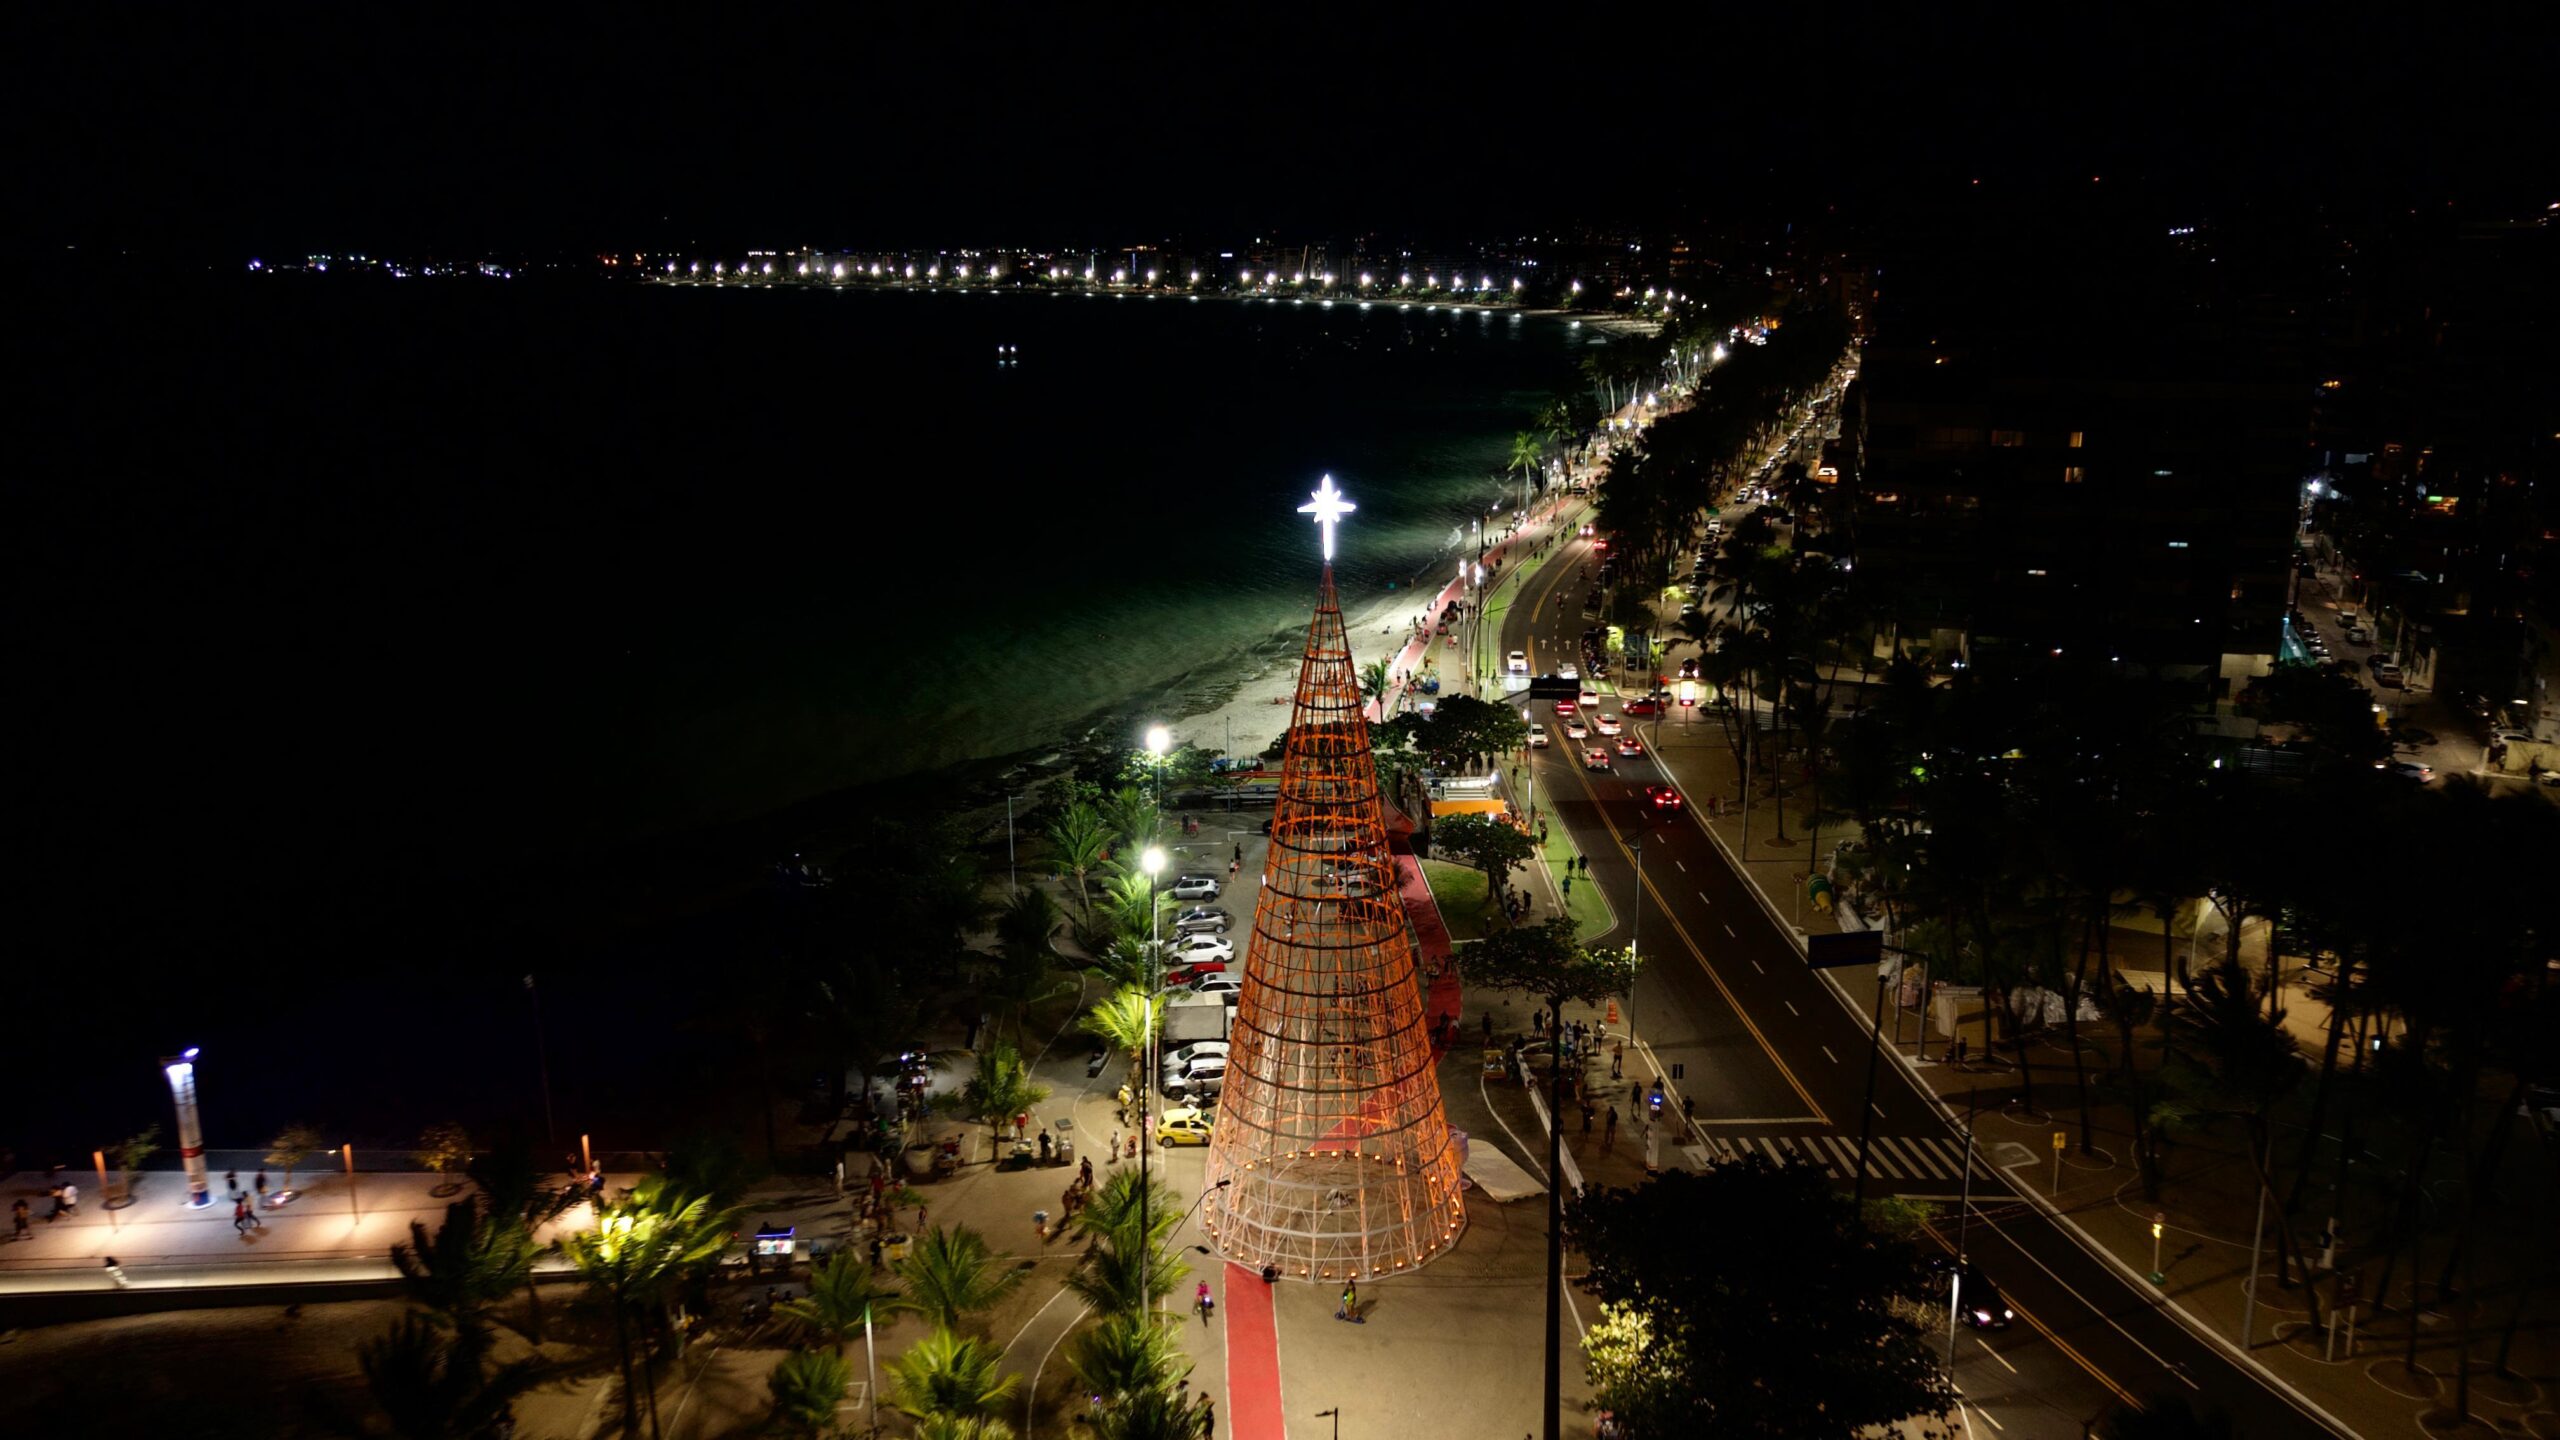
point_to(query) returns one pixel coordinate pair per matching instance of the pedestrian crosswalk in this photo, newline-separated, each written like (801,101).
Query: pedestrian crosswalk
(1889,1157)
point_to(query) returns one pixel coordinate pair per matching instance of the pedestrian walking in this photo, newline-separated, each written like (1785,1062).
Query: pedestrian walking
(261,1186)
(1239,852)
(18,1221)
(1084,1172)
(240,1213)
(1040,1223)
(1609,1132)
(1208,1417)
(1021,1123)
(1568,885)
(1588,1110)
(1112,1155)
(1204,1302)
(1350,1302)
(231,1183)
(68,1202)
(1618,1061)
(919,1220)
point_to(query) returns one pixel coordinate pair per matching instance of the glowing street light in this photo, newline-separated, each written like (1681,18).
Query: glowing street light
(181,1070)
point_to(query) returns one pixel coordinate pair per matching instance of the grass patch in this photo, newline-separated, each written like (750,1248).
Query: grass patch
(1591,914)
(1460,891)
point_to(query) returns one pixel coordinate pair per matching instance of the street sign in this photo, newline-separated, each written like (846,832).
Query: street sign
(2060,1139)
(1860,947)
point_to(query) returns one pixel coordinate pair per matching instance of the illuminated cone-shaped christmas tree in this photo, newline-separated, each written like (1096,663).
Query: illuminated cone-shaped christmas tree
(1330,1127)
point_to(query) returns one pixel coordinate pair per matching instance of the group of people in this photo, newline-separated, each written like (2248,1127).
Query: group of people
(1071,1201)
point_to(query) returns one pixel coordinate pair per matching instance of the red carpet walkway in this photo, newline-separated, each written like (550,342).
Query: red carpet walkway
(1430,945)
(1253,1359)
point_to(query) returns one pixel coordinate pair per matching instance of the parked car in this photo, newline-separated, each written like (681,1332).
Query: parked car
(1201,920)
(1180,1057)
(1192,949)
(1662,797)
(2385,674)
(1195,887)
(1595,760)
(2406,770)
(1185,1125)
(1192,972)
(1203,1077)
(1223,985)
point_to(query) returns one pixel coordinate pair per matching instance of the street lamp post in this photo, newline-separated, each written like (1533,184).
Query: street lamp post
(1153,863)
(181,1070)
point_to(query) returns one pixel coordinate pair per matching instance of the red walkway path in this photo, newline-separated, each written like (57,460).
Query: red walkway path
(1253,1359)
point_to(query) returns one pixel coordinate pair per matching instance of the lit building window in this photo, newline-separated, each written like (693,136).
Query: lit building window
(2075,439)
(2008,439)
(2073,474)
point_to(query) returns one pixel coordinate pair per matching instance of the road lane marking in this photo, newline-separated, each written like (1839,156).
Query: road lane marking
(1756,966)
(1684,867)
(1994,1354)
(1827,1055)
(1698,952)
(1878,1109)
(1987,1415)
(1792,1010)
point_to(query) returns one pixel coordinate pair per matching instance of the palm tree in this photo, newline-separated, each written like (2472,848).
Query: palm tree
(1019,978)
(1117,1279)
(430,1387)
(807,1387)
(1154,1414)
(514,1197)
(1001,1088)
(843,1297)
(637,1251)
(1373,680)
(1125,1021)
(1125,1355)
(945,1376)
(1080,838)
(471,1263)
(951,1275)
(1129,902)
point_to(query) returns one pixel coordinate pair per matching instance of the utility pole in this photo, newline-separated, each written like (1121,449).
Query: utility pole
(1867,1114)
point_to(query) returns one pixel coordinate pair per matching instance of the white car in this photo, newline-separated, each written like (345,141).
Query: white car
(1193,949)
(1574,729)
(1537,737)
(1519,662)
(1590,698)
(1225,987)
(1607,725)
(1566,671)
(1181,1058)
(1198,887)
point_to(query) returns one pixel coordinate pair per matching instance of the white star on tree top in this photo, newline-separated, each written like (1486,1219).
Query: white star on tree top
(1328,507)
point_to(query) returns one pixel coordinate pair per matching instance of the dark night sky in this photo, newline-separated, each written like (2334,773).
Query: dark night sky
(350,128)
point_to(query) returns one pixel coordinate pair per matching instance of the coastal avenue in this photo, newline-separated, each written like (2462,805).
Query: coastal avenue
(1774,1061)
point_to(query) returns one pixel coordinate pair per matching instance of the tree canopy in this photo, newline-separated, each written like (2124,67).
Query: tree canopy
(1768,1309)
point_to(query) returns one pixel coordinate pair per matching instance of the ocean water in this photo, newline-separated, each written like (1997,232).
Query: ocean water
(316,575)
(354,624)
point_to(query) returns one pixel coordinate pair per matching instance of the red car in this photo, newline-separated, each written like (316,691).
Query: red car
(1180,974)
(1644,705)
(1663,797)
(1565,707)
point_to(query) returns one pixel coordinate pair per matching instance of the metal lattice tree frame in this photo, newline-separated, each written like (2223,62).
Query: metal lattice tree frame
(1330,1125)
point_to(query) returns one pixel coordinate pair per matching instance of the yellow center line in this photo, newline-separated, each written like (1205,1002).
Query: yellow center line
(2046,1331)
(1730,999)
